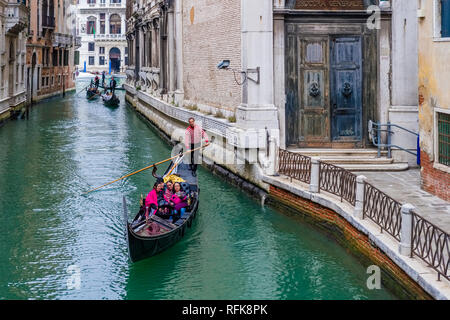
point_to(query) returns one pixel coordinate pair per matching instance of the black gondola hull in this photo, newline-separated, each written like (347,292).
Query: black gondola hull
(140,248)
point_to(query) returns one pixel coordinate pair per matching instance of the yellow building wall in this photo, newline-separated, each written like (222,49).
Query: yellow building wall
(434,77)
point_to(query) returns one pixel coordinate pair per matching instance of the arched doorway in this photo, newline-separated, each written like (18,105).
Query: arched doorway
(114,59)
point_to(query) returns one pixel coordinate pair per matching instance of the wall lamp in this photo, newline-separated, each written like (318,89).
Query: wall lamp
(225,65)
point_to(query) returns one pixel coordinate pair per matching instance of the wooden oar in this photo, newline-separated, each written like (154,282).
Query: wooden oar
(83,89)
(146,168)
(94,95)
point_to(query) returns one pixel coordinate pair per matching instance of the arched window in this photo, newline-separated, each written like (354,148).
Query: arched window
(115,24)
(91,21)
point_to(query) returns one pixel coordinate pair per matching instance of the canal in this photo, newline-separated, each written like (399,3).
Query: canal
(236,249)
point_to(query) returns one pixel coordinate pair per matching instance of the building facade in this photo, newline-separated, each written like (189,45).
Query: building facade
(101,26)
(434,96)
(310,73)
(50,49)
(13,30)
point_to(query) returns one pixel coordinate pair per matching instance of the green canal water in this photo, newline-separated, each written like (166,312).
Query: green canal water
(236,249)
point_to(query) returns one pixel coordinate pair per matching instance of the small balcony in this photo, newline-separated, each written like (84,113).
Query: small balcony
(77,42)
(16,17)
(62,40)
(110,37)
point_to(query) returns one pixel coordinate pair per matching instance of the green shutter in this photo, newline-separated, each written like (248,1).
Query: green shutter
(445,18)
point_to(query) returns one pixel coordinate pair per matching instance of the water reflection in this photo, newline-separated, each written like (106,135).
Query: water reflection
(235,250)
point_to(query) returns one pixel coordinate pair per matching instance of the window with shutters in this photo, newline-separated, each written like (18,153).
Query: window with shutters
(441,20)
(443,138)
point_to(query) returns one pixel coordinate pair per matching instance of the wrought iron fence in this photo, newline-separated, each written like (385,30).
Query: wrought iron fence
(295,165)
(338,181)
(383,210)
(428,242)
(431,244)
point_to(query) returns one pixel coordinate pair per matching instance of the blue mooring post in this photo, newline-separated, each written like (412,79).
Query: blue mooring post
(389,138)
(418,150)
(84,70)
(378,139)
(109,66)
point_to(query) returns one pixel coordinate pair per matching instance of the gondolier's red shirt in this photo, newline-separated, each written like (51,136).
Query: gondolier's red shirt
(195,136)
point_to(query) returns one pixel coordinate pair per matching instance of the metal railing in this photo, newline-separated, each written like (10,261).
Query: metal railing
(295,166)
(338,181)
(428,242)
(383,210)
(375,131)
(431,244)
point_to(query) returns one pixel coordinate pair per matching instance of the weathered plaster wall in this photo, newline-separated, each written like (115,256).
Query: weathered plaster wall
(434,92)
(211,33)
(434,77)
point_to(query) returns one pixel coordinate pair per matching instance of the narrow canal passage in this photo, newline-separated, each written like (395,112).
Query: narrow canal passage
(235,250)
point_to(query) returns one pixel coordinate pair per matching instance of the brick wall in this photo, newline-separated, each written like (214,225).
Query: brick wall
(211,33)
(434,180)
(393,277)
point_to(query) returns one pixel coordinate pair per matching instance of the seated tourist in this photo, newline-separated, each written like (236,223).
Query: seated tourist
(152,200)
(168,192)
(179,200)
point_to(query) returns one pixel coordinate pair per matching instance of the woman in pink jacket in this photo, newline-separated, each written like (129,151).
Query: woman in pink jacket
(152,198)
(179,200)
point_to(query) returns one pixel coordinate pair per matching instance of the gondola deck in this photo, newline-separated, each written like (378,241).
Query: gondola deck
(142,243)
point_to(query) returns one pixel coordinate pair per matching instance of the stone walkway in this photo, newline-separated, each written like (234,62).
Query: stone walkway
(404,186)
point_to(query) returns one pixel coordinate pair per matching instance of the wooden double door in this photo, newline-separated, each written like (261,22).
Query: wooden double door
(327,109)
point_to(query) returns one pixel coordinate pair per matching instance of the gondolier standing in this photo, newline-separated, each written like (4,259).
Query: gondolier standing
(112,85)
(192,140)
(103,79)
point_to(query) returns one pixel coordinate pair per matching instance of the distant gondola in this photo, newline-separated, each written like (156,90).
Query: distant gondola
(121,88)
(110,100)
(92,92)
(142,242)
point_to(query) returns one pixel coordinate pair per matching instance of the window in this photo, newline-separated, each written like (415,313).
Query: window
(115,24)
(443,138)
(102,23)
(55,57)
(91,46)
(441,20)
(76,58)
(91,25)
(91,61)
(101,60)
(66,58)
(101,50)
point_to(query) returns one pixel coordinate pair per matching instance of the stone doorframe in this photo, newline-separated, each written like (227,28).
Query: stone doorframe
(328,24)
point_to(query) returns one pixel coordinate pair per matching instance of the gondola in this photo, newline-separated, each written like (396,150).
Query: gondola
(121,88)
(110,100)
(142,242)
(92,92)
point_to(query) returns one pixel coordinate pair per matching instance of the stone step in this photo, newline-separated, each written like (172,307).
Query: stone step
(376,167)
(356,160)
(372,152)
